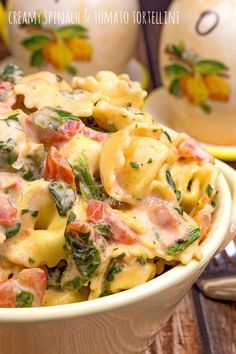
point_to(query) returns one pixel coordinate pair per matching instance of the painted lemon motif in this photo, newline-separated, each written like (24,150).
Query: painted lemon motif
(81,49)
(58,54)
(195,89)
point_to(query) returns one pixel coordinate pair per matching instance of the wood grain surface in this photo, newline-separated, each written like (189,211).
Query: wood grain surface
(199,325)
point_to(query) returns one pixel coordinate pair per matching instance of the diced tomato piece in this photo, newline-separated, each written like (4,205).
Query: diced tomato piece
(78,226)
(191,149)
(68,130)
(8,292)
(57,168)
(8,213)
(64,133)
(95,135)
(99,212)
(164,217)
(169,225)
(203,215)
(28,280)
(95,210)
(7,96)
(11,181)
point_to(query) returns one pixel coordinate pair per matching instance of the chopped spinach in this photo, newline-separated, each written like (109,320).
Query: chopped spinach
(12,230)
(24,299)
(7,190)
(180,210)
(181,244)
(114,267)
(64,196)
(28,169)
(33,213)
(213,204)
(10,73)
(52,118)
(33,163)
(37,155)
(31,260)
(54,275)
(142,260)
(104,230)
(85,254)
(88,186)
(75,283)
(209,190)
(172,184)
(134,164)
(167,135)
(14,117)
(8,153)
(190,185)
(71,217)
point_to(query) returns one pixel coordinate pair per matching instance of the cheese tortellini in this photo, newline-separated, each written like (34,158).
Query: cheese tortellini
(118,90)
(95,197)
(130,161)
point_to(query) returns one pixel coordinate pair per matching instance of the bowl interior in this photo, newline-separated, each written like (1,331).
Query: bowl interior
(163,282)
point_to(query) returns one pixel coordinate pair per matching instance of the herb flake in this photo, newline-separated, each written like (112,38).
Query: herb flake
(134,165)
(24,299)
(172,185)
(193,235)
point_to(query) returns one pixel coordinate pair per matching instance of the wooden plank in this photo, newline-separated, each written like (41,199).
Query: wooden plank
(180,333)
(220,320)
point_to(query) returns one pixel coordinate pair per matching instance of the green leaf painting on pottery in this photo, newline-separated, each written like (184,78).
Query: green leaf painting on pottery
(174,87)
(178,49)
(37,58)
(210,67)
(205,107)
(176,70)
(71,70)
(69,32)
(35,43)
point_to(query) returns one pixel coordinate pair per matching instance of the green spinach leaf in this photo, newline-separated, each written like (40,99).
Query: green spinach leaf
(181,245)
(64,196)
(24,299)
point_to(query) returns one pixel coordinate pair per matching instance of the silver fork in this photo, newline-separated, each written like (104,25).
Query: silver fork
(219,279)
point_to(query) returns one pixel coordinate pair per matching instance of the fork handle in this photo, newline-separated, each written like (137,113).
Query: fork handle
(222,288)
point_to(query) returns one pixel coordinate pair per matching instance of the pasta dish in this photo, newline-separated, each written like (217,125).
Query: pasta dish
(96,197)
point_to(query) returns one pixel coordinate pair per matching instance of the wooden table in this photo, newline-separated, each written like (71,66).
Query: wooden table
(199,325)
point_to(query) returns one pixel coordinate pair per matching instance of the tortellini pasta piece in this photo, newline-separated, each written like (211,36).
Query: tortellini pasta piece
(41,237)
(53,297)
(33,89)
(81,145)
(130,161)
(113,118)
(192,180)
(133,275)
(51,78)
(116,89)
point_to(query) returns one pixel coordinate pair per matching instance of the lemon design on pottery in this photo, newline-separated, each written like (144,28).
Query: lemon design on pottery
(58,46)
(199,80)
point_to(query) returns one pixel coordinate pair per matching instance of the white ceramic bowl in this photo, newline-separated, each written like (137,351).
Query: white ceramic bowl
(124,323)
